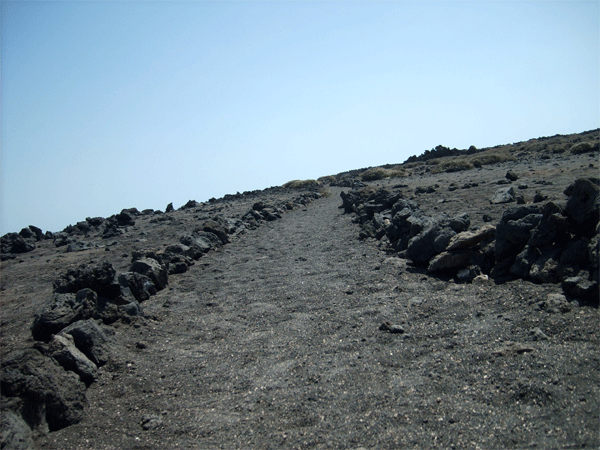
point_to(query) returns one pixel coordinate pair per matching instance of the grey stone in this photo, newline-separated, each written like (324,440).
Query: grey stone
(392,328)
(467,239)
(54,397)
(503,195)
(139,286)
(452,260)
(91,339)
(537,334)
(511,176)
(15,434)
(62,348)
(62,310)
(154,270)
(583,205)
(581,287)
(98,277)
(545,268)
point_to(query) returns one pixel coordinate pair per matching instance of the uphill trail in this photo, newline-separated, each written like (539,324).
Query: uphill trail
(273,341)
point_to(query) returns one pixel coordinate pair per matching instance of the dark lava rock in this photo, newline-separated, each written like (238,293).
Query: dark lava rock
(212,226)
(63,349)
(152,269)
(139,286)
(15,243)
(99,278)
(583,205)
(15,434)
(503,195)
(202,241)
(91,339)
(52,398)
(62,310)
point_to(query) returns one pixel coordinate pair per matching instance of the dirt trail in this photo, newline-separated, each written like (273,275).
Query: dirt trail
(274,342)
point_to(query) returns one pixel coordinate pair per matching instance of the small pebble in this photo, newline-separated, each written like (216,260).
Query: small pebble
(392,328)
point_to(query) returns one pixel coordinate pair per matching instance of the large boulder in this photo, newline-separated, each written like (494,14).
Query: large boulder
(583,205)
(62,310)
(553,229)
(514,229)
(217,228)
(582,287)
(63,350)
(137,285)
(435,238)
(125,218)
(99,278)
(15,434)
(15,243)
(453,260)
(503,195)
(92,339)
(52,397)
(202,240)
(467,239)
(152,269)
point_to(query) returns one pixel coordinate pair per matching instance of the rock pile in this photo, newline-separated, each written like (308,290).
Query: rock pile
(43,388)
(24,241)
(542,243)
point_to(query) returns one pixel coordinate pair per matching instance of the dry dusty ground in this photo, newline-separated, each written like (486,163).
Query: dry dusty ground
(273,341)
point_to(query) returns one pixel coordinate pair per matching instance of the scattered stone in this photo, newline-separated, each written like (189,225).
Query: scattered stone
(503,195)
(151,422)
(538,335)
(392,328)
(554,304)
(512,348)
(539,197)
(511,176)
(482,280)
(80,246)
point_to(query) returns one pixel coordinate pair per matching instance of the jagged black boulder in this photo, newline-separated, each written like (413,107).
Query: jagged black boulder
(52,398)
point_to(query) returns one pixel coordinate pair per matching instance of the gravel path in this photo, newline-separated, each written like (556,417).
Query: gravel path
(273,342)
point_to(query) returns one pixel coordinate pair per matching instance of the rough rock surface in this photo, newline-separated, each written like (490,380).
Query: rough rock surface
(273,339)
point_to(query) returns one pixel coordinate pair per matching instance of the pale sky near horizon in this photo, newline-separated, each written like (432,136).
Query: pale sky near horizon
(110,105)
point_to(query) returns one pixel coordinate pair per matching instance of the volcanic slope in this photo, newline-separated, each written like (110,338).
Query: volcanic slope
(274,341)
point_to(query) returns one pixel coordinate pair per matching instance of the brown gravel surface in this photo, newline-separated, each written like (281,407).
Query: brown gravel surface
(274,340)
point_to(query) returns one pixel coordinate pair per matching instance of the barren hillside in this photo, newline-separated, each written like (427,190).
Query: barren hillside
(447,302)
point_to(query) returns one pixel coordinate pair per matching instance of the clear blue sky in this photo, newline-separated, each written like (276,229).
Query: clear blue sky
(110,105)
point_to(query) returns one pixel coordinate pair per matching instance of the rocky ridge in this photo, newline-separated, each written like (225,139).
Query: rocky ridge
(447,279)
